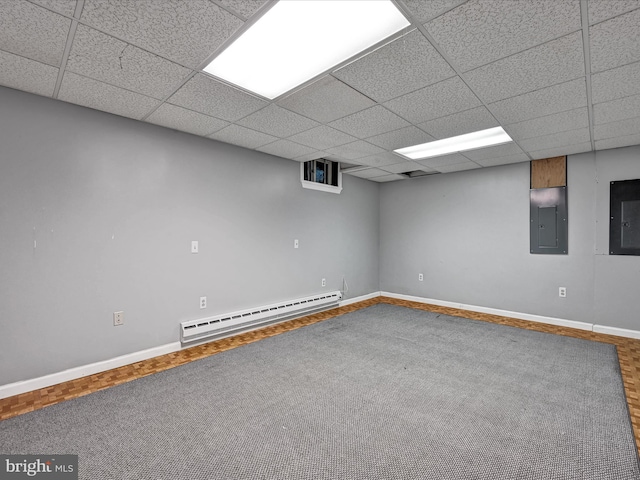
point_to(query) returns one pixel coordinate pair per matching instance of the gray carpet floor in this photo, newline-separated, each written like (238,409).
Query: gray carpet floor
(382,393)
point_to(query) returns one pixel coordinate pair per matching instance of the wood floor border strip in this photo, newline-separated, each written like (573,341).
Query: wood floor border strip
(628,356)
(37,399)
(628,348)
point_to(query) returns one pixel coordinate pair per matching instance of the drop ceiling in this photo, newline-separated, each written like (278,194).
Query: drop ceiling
(560,76)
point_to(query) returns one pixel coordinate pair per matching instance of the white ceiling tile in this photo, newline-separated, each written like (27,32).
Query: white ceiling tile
(616,83)
(546,101)
(548,64)
(615,42)
(557,151)
(322,137)
(66,7)
(622,128)
(388,178)
(494,161)
(368,173)
(516,52)
(347,165)
(211,97)
(618,142)
(424,168)
(493,152)
(102,57)
(559,139)
(185,120)
(404,167)
(458,167)
(435,162)
(242,8)
(33,32)
(326,100)
(186,32)
(101,96)
(28,75)
(482,31)
(242,136)
(444,98)
(285,149)
(404,137)
(615,110)
(355,150)
(277,121)
(370,122)
(338,158)
(381,159)
(600,10)
(468,121)
(557,122)
(312,156)
(402,66)
(425,11)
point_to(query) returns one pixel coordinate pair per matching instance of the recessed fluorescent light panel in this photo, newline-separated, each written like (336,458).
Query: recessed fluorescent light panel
(468,141)
(297,40)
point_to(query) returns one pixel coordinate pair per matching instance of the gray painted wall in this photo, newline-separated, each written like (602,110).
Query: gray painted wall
(468,233)
(617,277)
(114,204)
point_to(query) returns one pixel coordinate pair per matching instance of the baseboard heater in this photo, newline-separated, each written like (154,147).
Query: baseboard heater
(245,319)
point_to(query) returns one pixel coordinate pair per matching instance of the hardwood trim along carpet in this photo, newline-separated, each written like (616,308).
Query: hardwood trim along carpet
(628,348)
(37,399)
(628,355)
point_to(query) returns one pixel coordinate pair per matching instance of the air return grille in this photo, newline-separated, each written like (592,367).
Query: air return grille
(223,324)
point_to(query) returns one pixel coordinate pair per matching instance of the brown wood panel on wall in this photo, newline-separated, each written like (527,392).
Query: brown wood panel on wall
(549,172)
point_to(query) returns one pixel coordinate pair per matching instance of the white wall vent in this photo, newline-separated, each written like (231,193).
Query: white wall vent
(242,320)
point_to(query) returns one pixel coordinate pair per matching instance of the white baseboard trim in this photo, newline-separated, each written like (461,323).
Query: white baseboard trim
(494,311)
(24,386)
(361,298)
(619,332)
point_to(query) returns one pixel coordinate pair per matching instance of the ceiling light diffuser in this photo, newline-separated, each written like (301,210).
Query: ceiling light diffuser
(297,40)
(461,143)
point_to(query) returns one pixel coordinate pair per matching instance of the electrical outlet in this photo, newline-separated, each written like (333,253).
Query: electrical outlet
(194,246)
(420,277)
(118,318)
(562,292)
(296,244)
(203,302)
(324,282)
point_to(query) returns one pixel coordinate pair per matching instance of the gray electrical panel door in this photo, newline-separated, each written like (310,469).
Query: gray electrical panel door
(624,227)
(630,225)
(548,212)
(547,227)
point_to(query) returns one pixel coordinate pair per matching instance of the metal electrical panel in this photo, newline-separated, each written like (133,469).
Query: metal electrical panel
(624,227)
(549,226)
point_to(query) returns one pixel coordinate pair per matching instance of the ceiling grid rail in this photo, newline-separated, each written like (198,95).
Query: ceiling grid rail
(67,48)
(584,16)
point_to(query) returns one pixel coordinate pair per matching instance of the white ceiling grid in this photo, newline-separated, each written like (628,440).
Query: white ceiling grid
(180,118)
(461,66)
